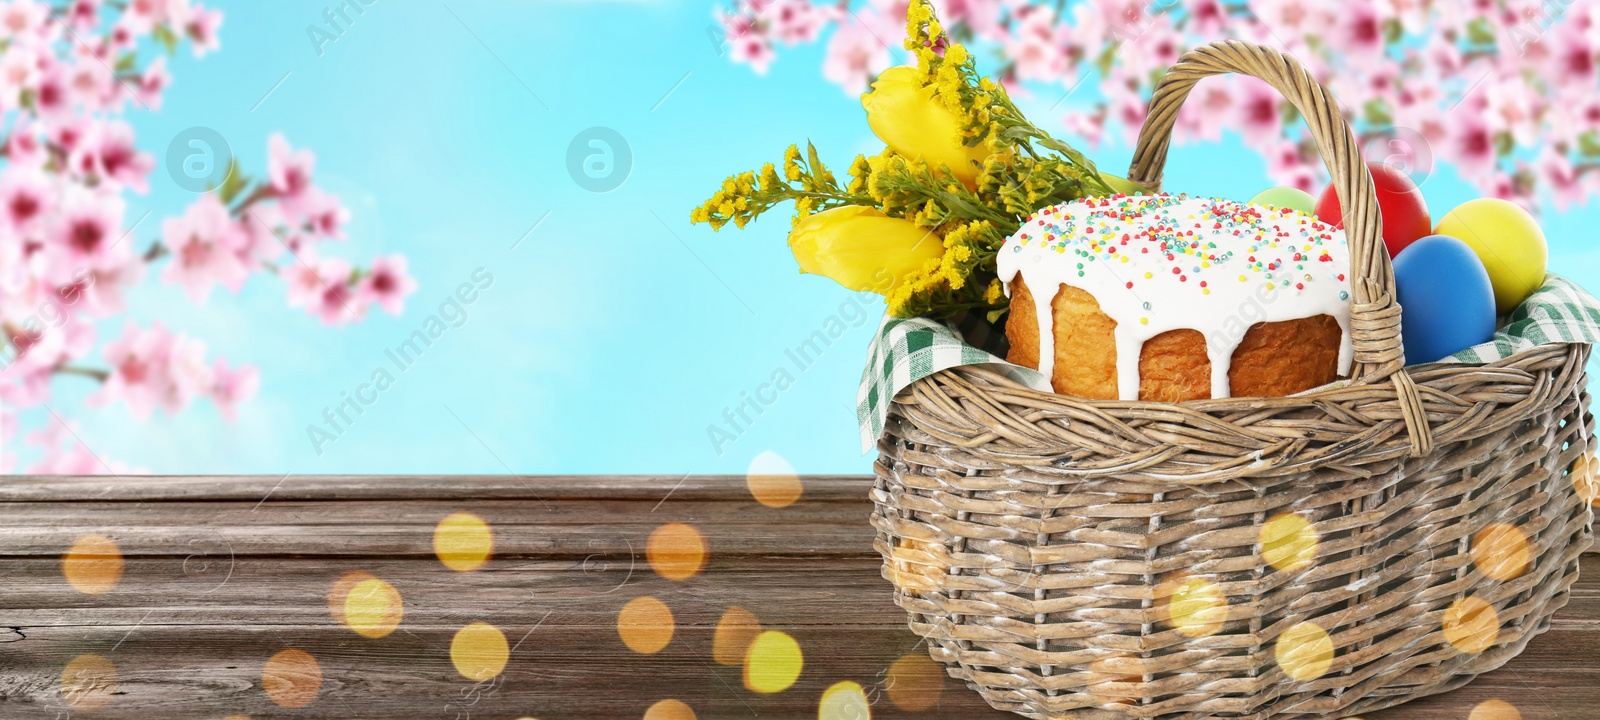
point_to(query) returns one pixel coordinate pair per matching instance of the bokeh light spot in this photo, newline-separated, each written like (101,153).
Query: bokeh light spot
(1289,543)
(773,662)
(676,551)
(1501,551)
(463,542)
(645,625)
(1196,607)
(735,631)
(373,608)
(479,651)
(341,589)
(918,565)
(93,565)
(1586,478)
(1495,710)
(1304,651)
(669,710)
(291,678)
(914,682)
(773,481)
(88,682)
(844,701)
(1471,625)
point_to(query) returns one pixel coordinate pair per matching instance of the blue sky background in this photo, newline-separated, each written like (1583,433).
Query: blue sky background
(615,332)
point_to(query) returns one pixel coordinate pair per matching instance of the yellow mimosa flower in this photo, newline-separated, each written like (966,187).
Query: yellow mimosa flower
(861,248)
(906,116)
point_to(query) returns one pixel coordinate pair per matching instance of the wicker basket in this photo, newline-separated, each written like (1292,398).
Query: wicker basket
(1085,559)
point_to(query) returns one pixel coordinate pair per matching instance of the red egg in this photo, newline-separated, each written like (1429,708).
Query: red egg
(1405,213)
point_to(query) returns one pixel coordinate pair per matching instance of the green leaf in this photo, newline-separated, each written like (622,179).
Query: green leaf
(1589,143)
(234,184)
(127,62)
(1479,32)
(1376,113)
(163,35)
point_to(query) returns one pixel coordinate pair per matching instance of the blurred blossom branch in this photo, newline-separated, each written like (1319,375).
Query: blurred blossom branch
(1504,90)
(68,255)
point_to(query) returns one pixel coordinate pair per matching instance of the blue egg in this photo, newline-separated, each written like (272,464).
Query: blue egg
(1446,299)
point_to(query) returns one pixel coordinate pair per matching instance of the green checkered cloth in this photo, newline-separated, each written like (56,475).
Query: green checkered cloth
(1558,312)
(909,349)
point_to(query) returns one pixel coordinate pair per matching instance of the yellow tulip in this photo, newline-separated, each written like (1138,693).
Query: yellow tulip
(905,115)
(861,248)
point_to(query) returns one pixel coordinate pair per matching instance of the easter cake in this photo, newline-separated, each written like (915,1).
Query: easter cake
(1173,298)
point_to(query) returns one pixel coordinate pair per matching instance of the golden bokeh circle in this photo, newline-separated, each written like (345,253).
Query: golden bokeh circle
(93,565)
(373,608)
(773,481)
(1304,651)
(291,678)
(918,565)
(676,551)
(479,651)
(463,541)
(237,717)
(772,663)
(646,625)
(1289,543)
(1500,551)
(1196,607)
(844,701)
(735,631)
(914,682)
(341,589)
(1586,478)
(1471,625)
(1495,710)
(669,710)
(88,682)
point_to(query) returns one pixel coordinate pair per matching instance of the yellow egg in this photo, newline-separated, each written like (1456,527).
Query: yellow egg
(1508,241)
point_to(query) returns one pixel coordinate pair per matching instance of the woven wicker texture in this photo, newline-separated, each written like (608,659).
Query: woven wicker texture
(1334,552)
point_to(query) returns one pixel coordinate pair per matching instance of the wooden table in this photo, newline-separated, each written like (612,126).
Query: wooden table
(219,577)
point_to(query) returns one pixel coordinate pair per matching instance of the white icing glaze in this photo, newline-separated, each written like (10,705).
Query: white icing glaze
(1168,262)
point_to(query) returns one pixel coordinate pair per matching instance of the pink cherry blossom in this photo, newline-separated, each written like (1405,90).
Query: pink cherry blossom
(86,231)
(24,199)
(67,262)
(202,27)
(108,154)
(1036,49)
(140,374)
(152,84)
(1260,110)
(205,244)
(1488,84)
(288,169)
(335,301)
(855,56)
(232,386)
(386,284)
(23,20)
(324,216)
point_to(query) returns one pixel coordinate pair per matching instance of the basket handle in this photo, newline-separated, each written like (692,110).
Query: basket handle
(1374,314)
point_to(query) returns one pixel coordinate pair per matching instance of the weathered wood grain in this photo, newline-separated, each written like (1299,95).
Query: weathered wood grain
(221,573)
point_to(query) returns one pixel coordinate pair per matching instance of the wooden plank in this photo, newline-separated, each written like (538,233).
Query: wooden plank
(219,574)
